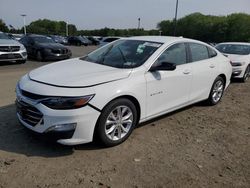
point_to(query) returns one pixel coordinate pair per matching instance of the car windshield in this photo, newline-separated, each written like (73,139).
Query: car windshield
(4,36)
(123,53)
(42,39)
(238,49)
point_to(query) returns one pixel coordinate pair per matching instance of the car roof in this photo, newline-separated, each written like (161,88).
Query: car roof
(163,39)
(35,35)
(237,43)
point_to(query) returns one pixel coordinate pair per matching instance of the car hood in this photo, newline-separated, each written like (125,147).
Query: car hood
(4,42)
(236,58)
(77,73)
(51,45)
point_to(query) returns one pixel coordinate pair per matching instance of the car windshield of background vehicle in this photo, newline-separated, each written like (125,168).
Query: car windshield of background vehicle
(43,40)
(234,49)
(4,36)
(123,53)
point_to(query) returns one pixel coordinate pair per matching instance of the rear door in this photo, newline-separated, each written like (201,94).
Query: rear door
(204,69)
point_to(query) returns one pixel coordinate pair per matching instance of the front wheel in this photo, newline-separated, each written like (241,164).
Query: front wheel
(39,56)
(116,122)
(217,91)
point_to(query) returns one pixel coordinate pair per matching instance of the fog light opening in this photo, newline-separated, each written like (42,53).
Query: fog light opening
(62,127)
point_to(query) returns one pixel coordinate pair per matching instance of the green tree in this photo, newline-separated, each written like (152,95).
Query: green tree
(3,26)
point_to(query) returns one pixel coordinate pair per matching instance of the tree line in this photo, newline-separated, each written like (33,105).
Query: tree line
(207,28)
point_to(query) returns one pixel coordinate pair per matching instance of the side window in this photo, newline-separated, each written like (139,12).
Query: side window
(198,51)
(175,54)
(212,53)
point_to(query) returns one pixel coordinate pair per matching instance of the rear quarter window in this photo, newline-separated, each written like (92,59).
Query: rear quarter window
(211,52)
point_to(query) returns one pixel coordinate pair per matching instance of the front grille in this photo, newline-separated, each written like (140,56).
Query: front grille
(9,48)
(10,56)
(28,113)
(60,51)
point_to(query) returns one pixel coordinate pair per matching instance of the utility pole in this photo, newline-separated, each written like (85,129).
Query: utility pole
(24,23)
(139,23)
(175,18)
(67,29)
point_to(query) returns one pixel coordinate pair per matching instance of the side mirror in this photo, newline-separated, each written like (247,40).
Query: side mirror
(163,66)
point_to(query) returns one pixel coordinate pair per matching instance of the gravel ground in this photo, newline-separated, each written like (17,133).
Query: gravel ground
(198,146)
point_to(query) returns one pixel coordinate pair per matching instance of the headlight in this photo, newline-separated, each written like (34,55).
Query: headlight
(66,103)
(22,47)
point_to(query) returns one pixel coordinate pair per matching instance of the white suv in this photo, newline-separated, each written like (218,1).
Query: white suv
(11,50)
(109,91)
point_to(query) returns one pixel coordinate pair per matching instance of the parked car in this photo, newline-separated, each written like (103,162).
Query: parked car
(11,50)
(77,40)
(239,54)
(93,40)
(44,48)
(109,91)
(106,40)
(59,39)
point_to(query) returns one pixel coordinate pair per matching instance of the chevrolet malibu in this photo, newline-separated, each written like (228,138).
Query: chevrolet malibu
(106,93)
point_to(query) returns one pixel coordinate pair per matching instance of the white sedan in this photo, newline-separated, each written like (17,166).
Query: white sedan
(239,54)
(108,92)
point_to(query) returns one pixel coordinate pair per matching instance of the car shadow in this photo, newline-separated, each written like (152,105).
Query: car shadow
(7,63)
(15,138)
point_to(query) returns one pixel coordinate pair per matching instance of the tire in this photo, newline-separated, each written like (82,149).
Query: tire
(78,44)
(111,130)
(216,92)
(21,61)
(39,56)
(246,74)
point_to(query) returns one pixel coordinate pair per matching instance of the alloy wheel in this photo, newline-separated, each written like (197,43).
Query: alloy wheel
(118,123)
(217,91)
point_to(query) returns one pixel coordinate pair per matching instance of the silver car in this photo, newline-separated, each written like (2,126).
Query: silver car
(11,50)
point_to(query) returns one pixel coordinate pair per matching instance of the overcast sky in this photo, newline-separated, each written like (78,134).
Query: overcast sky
(95,14)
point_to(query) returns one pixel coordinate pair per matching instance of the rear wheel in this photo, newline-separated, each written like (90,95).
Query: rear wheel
(116,122)
(246,74)
(217,91)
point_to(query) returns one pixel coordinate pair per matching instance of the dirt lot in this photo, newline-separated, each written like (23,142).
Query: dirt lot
(198,146)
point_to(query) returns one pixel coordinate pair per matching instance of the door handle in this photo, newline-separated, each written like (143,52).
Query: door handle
(212,66)
(186,72)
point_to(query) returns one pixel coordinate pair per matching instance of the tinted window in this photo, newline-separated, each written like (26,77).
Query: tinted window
(42,39)
(212,53)
(175,54)
(234,49)
(198,51)
(110,39)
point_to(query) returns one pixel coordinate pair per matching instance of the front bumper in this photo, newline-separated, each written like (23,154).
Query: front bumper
(13,56)
(239,71)
(84,120)
(56,56)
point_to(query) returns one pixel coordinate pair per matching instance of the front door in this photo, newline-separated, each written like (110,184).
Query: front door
(168,90)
